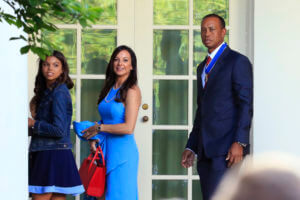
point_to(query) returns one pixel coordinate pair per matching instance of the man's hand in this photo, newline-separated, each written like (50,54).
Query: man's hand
(235,154)
(187,158)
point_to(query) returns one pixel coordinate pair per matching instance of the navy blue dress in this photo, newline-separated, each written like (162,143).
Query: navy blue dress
(52,168)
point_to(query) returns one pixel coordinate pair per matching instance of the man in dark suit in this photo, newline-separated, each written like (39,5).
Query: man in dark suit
(220,135)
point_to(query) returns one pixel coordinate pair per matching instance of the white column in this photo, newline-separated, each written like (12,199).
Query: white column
(277,76)
(13,115)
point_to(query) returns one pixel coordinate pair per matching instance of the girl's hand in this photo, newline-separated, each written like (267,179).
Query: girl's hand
(30,122)
(91,131)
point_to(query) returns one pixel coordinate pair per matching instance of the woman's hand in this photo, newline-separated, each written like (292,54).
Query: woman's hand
(91,131)
(30,122)
(92,144)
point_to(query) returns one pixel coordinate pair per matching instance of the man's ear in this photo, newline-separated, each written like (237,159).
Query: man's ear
(224,31)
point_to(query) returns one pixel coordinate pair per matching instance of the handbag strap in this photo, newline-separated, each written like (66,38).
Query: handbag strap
(101,153)
(98,151)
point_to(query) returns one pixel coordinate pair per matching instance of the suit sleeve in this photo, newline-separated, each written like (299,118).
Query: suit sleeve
(242,78)
(192,142)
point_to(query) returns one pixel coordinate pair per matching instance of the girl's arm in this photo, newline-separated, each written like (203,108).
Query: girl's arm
(60,123)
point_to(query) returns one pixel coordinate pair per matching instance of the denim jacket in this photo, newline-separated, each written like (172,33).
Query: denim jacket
(52,127)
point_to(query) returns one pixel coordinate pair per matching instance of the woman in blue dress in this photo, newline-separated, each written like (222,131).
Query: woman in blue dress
(118,105)
(52,168)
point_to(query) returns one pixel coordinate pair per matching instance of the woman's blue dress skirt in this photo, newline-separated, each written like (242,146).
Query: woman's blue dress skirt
(54,171)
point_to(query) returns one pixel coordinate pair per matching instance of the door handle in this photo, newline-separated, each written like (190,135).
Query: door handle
(145,118)
(145,106)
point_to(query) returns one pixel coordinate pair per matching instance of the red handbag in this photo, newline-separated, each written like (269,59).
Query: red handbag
(92,173)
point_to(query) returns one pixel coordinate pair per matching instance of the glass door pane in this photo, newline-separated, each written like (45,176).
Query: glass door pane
(170,102)
(205,7)
(170,55)
(167,149)
(97,46)
(169,189)
(168,12)
(65,40)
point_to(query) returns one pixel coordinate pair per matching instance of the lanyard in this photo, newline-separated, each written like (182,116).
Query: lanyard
(214,60)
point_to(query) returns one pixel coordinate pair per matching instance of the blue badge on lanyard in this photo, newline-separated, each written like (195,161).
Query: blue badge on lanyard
(214,60)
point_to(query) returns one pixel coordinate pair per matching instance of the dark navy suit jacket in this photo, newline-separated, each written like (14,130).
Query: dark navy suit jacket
(225,106)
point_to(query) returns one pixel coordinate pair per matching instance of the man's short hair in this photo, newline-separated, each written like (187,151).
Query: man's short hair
(221,19)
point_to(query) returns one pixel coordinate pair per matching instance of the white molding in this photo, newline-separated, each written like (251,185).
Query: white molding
(170,127)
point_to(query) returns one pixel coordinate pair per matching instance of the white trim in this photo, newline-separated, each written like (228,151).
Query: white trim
(143,41)
(66,26)
(88,76)
(170,127)
(171,77)
(180,27)
(75,26)
(171,27)
(174,177)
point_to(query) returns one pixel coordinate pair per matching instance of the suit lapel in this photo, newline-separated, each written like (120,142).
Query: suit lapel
(216,68)
(199,77)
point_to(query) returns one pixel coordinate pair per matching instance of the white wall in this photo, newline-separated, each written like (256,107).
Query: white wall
(241,26)
(13,115)
(277,76)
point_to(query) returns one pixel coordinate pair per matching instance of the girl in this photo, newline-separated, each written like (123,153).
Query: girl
(52,168)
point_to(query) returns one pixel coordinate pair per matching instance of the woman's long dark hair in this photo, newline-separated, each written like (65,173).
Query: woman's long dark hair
(40,81)
(111,76)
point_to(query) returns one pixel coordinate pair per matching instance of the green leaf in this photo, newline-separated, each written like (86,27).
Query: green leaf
(83,22)
(34,3)
(21,36)
(25,49)
(39,51)
(18,23)
(14,38)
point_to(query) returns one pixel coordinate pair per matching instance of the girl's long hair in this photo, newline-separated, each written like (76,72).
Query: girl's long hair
(111,76)
(40,80)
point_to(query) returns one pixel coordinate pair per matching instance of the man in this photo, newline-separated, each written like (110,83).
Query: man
(220,135)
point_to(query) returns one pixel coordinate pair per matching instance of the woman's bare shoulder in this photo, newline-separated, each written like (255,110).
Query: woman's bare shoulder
(134,92)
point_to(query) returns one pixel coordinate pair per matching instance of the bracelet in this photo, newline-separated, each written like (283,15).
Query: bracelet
(99,128)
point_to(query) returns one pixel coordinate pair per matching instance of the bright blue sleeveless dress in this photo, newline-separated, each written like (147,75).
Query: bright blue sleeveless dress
(122,155)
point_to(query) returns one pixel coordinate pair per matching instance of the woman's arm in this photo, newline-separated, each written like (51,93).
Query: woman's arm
(132,104)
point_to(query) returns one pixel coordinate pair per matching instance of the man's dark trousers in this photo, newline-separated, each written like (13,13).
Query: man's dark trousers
(211,171)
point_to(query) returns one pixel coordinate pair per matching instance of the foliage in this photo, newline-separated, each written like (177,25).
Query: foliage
(204,7)
(34,17)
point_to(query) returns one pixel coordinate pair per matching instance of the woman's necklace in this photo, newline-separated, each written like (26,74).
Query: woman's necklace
(106,100)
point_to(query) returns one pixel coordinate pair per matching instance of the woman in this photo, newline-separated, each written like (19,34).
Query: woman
(52,168)
(118,105)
